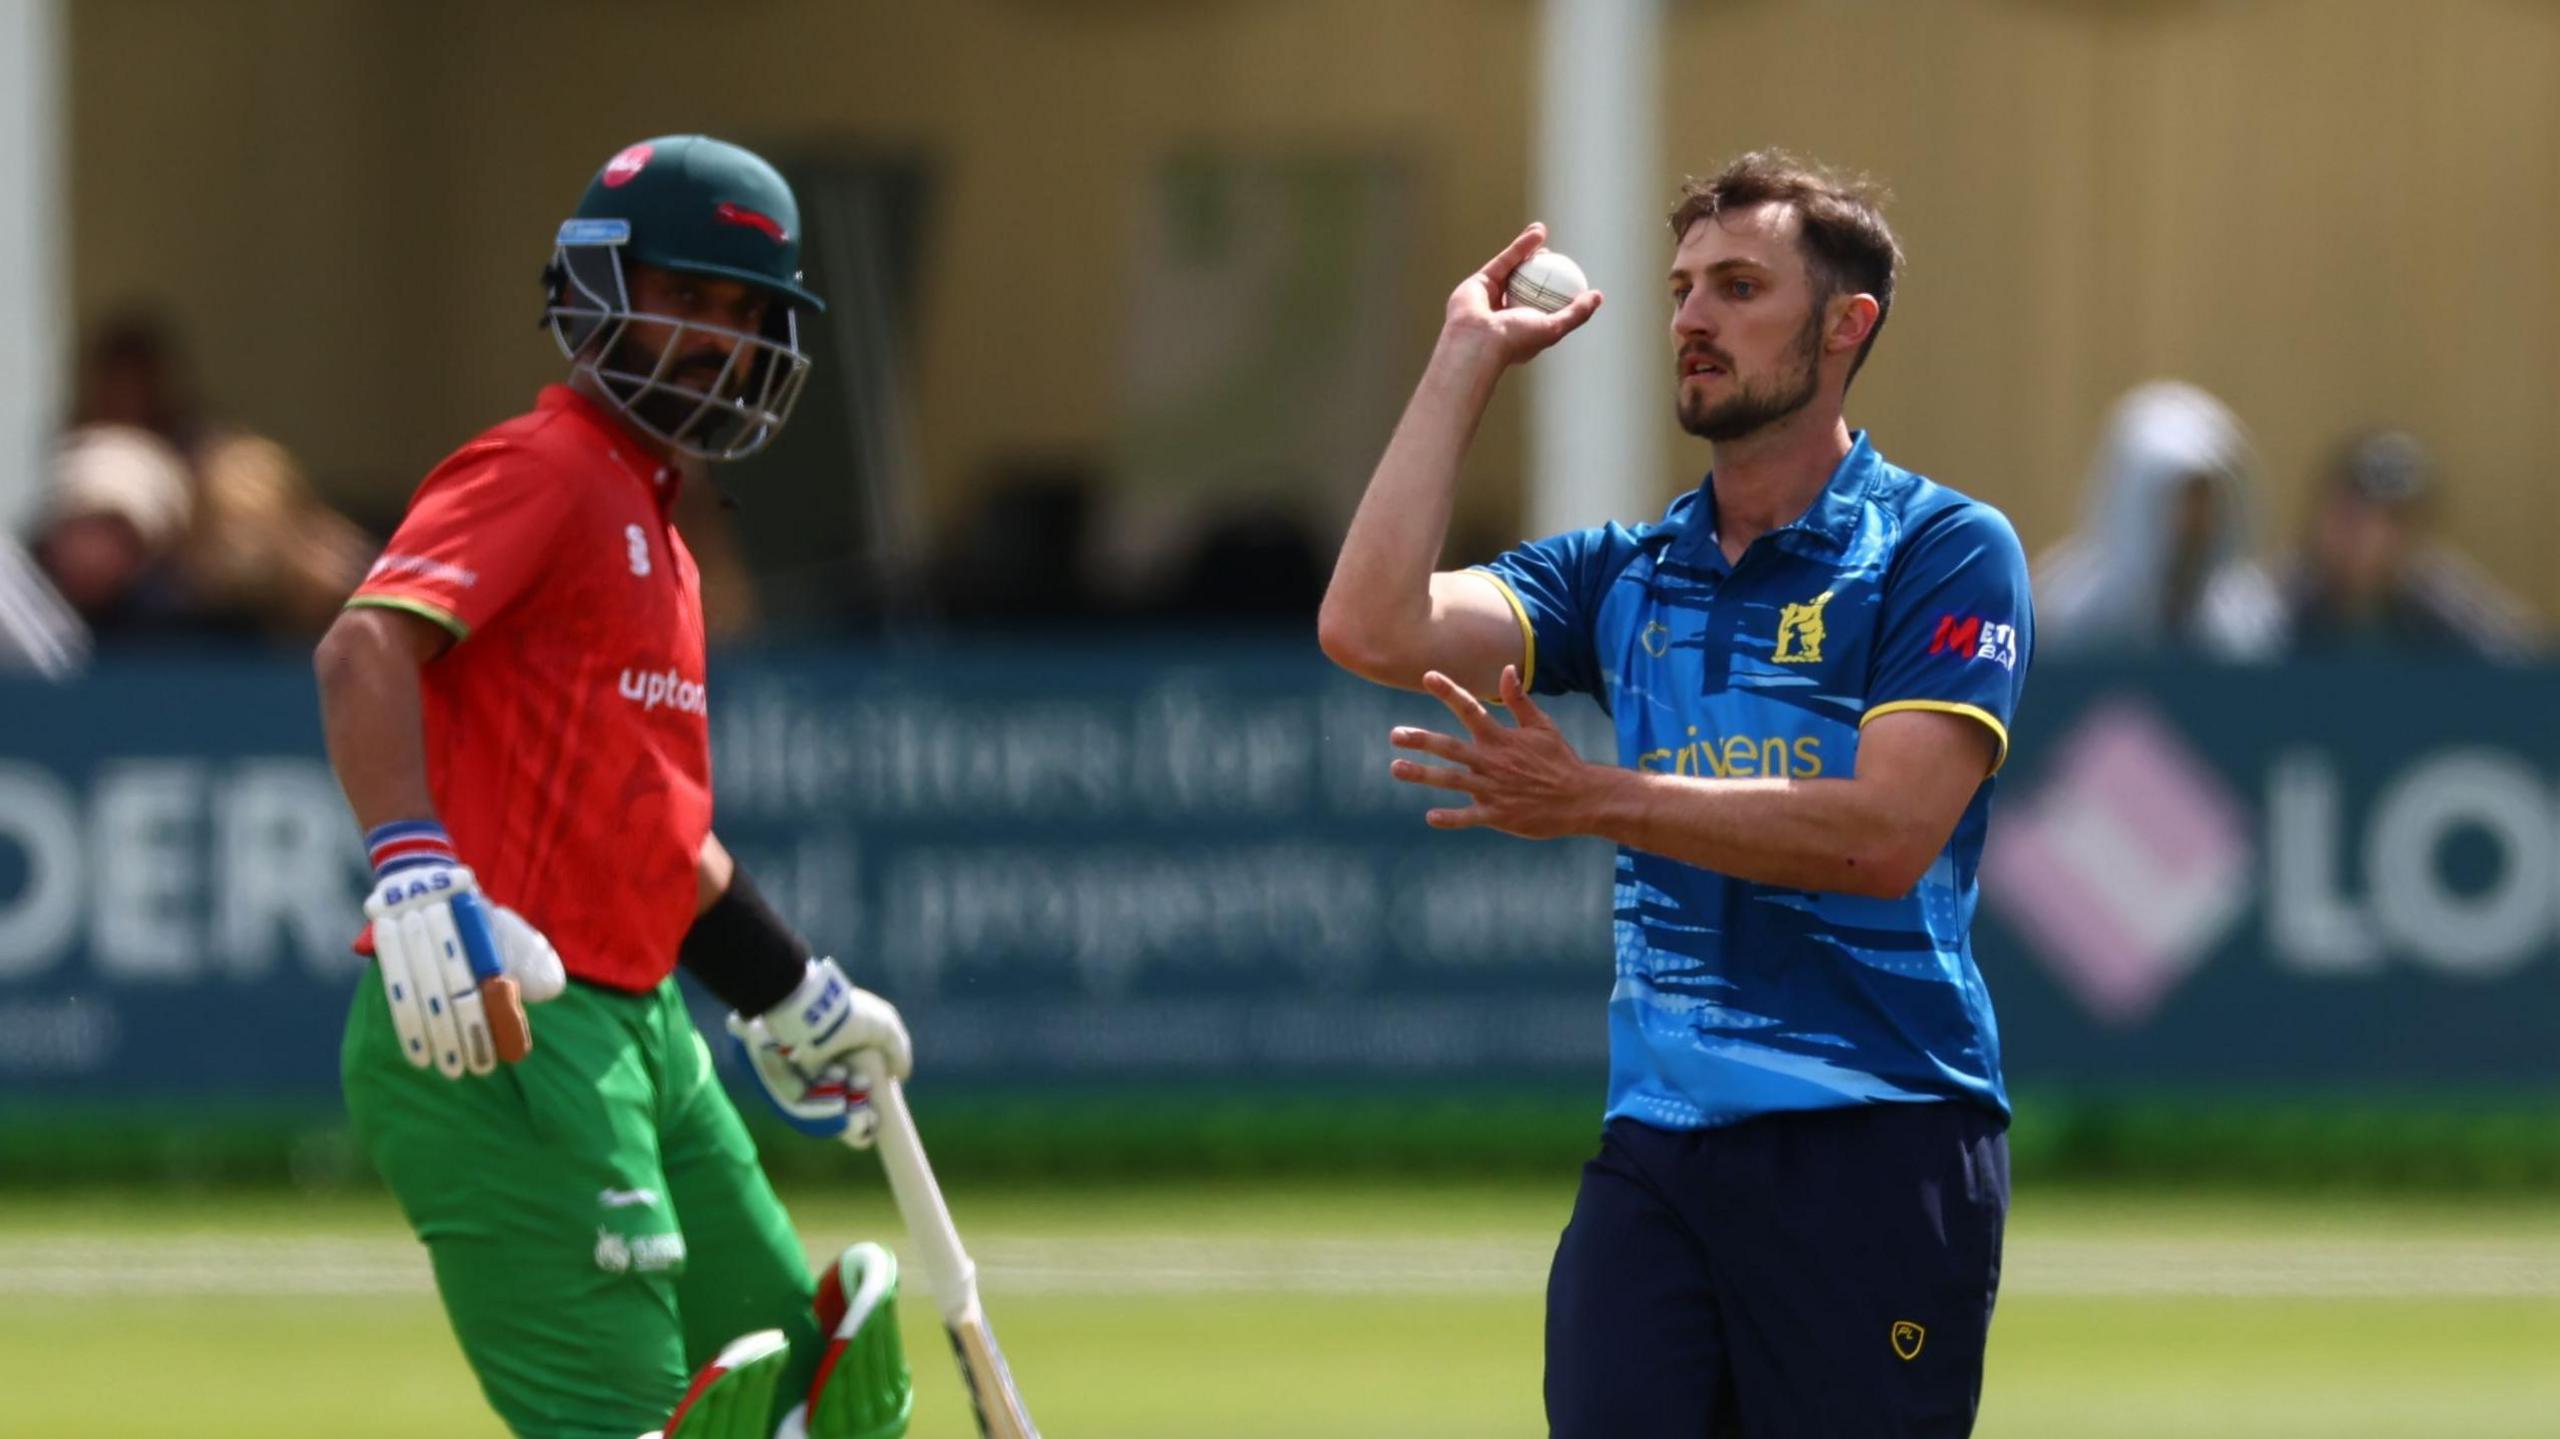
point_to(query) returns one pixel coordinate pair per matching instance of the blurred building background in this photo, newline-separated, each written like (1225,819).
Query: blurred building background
(1050,214)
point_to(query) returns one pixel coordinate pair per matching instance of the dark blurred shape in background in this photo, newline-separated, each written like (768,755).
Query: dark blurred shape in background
(1253,568)
(1024,560)
(2373,578)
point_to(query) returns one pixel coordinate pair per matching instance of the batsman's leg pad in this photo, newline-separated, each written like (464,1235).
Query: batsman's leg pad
(862,1389)
(732,1398)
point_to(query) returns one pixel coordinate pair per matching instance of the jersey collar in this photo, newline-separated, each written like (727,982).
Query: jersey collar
(1830,522)
(615,439)
(1832,518)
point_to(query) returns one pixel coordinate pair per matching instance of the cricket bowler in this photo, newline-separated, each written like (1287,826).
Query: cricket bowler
(1792,1227)
(514,704)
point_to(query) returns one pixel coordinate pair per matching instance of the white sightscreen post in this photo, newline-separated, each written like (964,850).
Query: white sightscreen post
(31,246)
(1596,402)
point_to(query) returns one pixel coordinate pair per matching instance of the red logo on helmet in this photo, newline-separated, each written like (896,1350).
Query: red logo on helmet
(619,170)
(766,225)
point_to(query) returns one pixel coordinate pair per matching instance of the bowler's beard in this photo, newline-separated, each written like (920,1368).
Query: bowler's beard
(1752,408)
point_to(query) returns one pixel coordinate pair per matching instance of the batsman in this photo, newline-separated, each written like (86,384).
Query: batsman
(514,704)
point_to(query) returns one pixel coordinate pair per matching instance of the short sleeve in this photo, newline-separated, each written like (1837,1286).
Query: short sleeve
(474,540)
(1955,631)
(1554,588)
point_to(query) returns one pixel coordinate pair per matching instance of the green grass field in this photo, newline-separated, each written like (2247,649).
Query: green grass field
(1322,1310)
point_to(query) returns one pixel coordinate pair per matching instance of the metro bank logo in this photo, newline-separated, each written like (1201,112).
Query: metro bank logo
(1973,637)
(2126,867)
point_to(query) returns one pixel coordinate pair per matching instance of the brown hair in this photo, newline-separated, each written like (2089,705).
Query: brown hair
(1847,245)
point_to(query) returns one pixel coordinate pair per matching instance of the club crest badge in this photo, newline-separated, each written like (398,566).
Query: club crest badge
(1800,632)
(620,170)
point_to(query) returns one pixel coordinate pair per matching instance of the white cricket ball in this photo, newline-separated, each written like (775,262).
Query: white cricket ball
(1546,281)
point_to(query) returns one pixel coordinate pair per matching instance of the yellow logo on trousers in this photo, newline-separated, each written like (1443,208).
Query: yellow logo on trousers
(1800,632)
(1907,1338)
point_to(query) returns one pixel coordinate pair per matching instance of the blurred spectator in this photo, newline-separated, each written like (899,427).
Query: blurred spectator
(263,554)
(2372,579)
(2162,562)
(1256,567)
(1025,561)
(113,514)
(130,375)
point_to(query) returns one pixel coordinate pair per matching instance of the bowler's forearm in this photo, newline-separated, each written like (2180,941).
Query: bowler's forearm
(1823,835)
(1380,595)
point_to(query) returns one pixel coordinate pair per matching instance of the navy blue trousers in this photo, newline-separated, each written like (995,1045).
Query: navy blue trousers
(1825,1275)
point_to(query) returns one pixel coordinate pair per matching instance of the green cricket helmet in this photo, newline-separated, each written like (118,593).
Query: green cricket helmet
(697,206)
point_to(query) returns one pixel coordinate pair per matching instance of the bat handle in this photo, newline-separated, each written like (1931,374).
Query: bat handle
(510,1033)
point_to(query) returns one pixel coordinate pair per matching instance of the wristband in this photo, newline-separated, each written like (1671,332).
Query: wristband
(743,952)
(407,844)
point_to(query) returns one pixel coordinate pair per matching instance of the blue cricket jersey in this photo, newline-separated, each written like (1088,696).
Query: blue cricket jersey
(1891,592)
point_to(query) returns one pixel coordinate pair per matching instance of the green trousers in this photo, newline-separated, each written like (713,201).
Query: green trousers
(597,1219)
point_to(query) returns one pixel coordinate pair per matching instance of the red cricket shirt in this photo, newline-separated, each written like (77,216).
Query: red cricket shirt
(568,744)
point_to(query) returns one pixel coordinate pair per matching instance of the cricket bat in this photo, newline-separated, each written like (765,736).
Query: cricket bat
(948,1273)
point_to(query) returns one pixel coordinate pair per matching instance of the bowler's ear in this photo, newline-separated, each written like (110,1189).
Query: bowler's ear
(1853,319)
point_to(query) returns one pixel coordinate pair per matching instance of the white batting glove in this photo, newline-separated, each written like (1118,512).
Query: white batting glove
(827,1020)
(834,1103)
(449,958)
(802,1051)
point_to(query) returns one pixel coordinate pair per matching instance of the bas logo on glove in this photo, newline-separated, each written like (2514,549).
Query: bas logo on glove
(456,970)
(418,885)
(820,1015)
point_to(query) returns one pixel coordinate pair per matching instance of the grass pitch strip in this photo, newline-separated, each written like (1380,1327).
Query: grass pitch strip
(1343,1310)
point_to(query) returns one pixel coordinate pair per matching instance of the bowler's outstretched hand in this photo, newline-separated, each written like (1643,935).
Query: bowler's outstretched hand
(1525,778)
